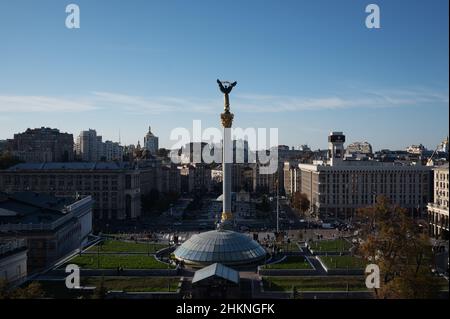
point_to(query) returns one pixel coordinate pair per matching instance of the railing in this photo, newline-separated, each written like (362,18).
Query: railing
(71,210)
(11,245)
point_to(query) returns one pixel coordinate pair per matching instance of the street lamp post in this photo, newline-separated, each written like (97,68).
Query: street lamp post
(278,205)
(98,256)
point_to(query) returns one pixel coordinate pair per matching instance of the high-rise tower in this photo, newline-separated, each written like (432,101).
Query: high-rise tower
(336,148)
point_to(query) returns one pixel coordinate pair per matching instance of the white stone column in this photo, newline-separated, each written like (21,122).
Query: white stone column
(226,167)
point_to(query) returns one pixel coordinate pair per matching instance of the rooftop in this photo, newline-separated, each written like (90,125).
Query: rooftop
(220,246)
(216,270)
(32,208)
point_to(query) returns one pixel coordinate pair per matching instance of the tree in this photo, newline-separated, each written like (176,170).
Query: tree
(264,206)
(300,202)
(401,249)
(100,292)
(3,289)
(32,291)
(156,201)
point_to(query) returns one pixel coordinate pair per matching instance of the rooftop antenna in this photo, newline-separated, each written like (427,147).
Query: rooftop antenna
(119,137)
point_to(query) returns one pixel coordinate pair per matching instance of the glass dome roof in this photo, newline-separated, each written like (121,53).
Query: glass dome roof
(220,246)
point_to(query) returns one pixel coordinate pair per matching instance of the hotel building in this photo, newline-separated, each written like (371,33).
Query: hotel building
(338,187)
(438,209)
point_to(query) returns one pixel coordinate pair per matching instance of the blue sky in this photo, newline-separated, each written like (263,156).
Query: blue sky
(305,67)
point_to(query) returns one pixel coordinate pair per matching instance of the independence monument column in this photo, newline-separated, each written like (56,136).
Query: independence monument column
(227,153)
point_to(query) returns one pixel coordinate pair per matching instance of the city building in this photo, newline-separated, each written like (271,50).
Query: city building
(151,142)
(42,145)
(170,179)
(265,183)
(156,175)
(115,187)
(443,146)
(416,149)
(285,153)
(3,146)
(438,210)
(304,148)
(242,177)
(338,187)
(112,151)
(52,227)
(195,178)
(359,148)
(292,180)
(89,146)
(13,260)
(242,206)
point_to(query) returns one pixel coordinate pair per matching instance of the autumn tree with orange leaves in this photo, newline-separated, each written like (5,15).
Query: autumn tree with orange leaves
(402,250)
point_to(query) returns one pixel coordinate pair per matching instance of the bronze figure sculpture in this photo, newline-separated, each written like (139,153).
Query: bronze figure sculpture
(225,88)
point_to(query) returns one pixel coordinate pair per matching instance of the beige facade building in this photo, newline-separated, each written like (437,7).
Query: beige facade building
(438,210)
(115,187)
(292,180)
(337,188)
(42,145)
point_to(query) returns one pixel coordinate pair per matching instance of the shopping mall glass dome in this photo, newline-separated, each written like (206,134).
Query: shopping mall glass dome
(220,246)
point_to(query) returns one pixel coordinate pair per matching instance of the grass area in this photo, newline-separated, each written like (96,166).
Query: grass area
(57,288)
(134,284)
(353,283)
(443,284)
(291,262)
(290,247)
(90,261)
(343,262)
(339,245)
(116,246)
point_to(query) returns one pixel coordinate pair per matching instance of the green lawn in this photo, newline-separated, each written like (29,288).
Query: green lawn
(115,246)
(90,261)
(57,288)
(339,245)
(443,284)
(291,262)
(355,283)
(134,284)
(343,262)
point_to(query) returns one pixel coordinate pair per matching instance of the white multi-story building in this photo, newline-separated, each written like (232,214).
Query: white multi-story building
(338,187)
(292,181)
(443,147)
(89,146)
(112,151)
(438,210)
(151,142)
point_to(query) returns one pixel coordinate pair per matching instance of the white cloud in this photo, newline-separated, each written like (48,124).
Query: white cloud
(20,104)
(242,102)
(153,105)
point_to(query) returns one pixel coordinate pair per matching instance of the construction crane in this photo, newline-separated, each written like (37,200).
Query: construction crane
(430,160)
